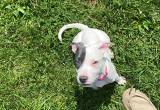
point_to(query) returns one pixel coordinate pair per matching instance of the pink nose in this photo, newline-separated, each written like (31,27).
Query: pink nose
(83,79)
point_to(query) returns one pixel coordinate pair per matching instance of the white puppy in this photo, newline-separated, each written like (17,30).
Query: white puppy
(92,57)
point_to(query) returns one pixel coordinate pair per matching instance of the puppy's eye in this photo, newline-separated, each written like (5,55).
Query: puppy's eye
(95,62)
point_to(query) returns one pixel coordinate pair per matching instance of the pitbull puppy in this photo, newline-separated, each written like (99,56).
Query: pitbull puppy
(92,57)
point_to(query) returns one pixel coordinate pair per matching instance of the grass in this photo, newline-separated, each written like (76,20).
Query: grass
(37,72)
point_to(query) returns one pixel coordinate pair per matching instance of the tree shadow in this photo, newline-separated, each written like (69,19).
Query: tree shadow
(89,99)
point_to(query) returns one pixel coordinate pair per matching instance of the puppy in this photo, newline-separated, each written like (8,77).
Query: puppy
(92,57)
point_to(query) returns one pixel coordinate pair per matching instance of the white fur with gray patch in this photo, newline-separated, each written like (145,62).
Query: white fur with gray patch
(92,39)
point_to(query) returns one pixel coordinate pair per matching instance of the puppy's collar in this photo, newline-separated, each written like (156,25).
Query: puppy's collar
(104,74)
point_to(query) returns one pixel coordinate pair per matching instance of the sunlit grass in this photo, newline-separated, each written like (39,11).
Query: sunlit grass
(37,72)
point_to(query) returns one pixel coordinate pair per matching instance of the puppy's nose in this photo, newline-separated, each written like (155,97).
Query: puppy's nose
(83,79)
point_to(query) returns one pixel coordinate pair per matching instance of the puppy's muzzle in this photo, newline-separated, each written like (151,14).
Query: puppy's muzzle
(83,79)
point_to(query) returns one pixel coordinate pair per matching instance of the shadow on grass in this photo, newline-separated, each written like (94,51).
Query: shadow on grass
(89,99)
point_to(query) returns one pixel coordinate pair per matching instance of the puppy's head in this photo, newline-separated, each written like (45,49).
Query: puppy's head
(89,62)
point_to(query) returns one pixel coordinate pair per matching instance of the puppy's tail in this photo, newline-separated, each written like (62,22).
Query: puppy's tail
(68,26)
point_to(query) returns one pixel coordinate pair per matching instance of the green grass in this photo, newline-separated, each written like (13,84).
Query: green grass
(37,72)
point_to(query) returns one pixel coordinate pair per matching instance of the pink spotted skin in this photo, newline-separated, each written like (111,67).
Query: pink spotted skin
(104,75)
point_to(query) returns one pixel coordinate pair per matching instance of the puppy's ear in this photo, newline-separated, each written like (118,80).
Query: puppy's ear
(105,48)
(76,46)
(105,45)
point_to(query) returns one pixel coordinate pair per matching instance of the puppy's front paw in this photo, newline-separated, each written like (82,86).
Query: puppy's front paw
(122,80)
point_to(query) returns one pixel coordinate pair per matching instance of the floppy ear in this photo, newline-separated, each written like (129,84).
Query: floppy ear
(104,46)
(76,46)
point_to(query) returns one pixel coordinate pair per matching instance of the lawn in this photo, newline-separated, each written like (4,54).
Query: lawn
(37,72)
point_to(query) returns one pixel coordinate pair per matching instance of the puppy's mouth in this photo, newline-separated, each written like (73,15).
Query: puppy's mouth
(86,85)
